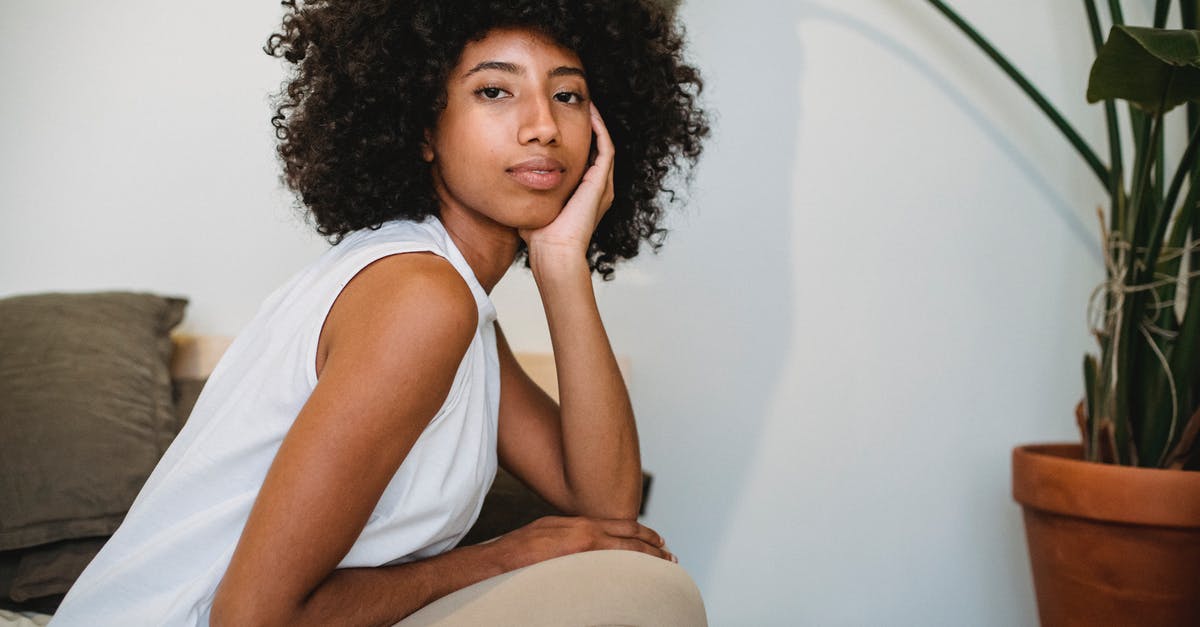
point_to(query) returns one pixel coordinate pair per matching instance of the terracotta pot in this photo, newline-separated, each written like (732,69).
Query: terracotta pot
(1109,545)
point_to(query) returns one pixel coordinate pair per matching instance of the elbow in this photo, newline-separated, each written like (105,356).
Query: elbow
(224,613)
(227,612)
(231,609)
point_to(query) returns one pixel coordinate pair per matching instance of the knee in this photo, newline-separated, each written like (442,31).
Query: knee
(664,588)
(642,568)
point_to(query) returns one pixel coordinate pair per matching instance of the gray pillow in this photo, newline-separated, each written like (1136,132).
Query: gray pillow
(51,569)
(85,409)
(36,578)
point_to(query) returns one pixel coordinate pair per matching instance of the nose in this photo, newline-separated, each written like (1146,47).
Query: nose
(537,122)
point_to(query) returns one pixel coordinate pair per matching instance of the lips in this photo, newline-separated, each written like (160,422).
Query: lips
(541,173)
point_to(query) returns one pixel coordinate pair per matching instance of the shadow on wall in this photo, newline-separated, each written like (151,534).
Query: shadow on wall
(719,311)
(1065,210)
(760,284)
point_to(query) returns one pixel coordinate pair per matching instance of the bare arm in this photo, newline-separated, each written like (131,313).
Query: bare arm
(530,435)
(395,337)
(594,432)
(601,457)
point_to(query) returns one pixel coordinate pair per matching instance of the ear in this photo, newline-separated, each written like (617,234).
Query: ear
(427,147)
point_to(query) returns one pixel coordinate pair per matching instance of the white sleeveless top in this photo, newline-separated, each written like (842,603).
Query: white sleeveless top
(163,564)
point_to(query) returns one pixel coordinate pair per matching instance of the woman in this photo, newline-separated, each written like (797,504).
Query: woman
(343,445)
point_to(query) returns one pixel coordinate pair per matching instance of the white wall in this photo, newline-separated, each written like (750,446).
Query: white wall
(878,288)
(136,152)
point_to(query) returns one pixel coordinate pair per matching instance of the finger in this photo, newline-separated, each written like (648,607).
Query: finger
(608,188)
(604,144)
(633,529)
(595,176)
(630,544)
(608,192)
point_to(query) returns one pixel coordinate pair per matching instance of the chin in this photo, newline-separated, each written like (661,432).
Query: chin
(537,217)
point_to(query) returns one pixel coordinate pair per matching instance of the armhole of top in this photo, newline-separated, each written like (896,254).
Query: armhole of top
(361,261)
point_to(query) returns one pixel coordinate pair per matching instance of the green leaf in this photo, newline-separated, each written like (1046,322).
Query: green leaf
(1171,265)
(1137,64)
(1185,362)
(1116,177)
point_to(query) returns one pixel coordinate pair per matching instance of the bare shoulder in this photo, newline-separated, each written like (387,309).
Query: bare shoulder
(393,341)
(410,299)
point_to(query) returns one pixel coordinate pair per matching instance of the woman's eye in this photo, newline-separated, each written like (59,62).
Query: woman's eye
(569,97)
(490,93)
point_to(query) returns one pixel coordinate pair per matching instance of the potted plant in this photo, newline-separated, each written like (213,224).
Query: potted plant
(1113,523)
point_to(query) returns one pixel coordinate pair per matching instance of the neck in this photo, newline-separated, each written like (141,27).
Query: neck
(488,246)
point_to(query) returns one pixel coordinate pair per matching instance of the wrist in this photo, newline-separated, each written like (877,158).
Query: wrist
(556,264)
(497,556)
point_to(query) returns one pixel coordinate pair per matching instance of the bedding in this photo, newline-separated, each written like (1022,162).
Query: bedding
(86,379)
(9,618)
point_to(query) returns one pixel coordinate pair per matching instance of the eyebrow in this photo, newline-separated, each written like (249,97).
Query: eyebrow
(513,68)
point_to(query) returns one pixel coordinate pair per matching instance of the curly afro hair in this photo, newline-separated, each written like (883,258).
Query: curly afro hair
(370,78)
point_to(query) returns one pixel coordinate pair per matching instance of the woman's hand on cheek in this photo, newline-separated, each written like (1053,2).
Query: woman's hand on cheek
(569,234)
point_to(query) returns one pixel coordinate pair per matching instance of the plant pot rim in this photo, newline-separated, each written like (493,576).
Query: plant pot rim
(1056,478)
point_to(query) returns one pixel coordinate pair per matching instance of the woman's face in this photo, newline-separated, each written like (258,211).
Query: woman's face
(514,139)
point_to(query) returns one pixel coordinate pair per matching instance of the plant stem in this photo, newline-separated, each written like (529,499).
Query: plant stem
(1175,240)
(1116,182)
(1137,119)
(1059,121)
(1142,161)
(1188,13)
(1114,9)
(1161,7)
(1130,419)
(1163,216)
(1186,361)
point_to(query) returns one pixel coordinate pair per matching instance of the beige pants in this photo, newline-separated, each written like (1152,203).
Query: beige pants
(584,589)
